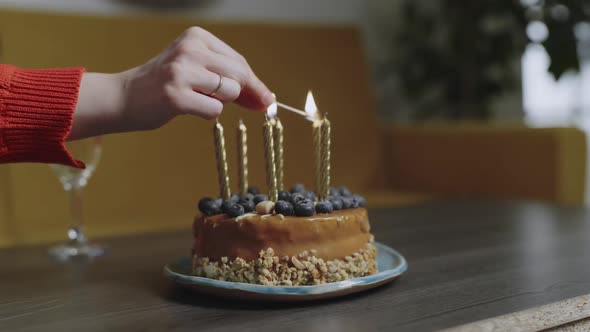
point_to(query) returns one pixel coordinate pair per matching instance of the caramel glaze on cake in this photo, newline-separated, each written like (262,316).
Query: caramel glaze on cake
(330,236)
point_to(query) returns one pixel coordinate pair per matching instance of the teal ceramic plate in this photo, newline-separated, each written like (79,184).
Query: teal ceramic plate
(391,264)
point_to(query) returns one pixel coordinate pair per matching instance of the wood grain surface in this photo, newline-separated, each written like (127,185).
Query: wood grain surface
(468,260)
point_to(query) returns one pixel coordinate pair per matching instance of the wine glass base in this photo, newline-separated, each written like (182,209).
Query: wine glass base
(64,253)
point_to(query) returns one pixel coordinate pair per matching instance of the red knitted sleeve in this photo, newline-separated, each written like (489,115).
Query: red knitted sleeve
(36,114)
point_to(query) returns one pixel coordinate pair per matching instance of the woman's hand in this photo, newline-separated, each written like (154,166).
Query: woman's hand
(195,75)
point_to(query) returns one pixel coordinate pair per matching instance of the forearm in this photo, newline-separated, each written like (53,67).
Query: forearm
(100,105)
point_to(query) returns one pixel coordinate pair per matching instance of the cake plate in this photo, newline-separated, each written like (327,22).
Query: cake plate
(390,263)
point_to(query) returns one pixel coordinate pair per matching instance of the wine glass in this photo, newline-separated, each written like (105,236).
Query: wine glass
(74,180)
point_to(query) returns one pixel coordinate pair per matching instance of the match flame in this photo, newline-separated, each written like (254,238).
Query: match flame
(310,108)
(271,111)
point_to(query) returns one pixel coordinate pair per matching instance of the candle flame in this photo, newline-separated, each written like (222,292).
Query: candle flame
(310,108)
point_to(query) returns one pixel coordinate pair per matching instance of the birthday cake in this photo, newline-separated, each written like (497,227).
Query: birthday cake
(288,238)
(291,242)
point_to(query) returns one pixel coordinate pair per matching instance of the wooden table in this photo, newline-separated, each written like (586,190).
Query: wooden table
(468,261)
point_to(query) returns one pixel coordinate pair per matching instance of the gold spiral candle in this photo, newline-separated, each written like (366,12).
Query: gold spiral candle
(279,153)
(317,152)
(222,169)
(326,155)
(242,158)
(269,156)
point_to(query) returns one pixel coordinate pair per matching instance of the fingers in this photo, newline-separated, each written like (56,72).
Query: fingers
(228,67)
(256,94)
(253,93)
(226,90)
(195,38)
(190,102)
(210,84)
(215,44)
(200,49)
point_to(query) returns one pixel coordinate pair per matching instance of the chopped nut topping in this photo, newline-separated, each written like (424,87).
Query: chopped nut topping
(265,207)
(302,269)
(297,263)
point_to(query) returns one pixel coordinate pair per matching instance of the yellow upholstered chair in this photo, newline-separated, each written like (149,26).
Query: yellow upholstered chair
(485,160)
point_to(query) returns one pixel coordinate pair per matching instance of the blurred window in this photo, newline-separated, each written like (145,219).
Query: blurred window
(547,101)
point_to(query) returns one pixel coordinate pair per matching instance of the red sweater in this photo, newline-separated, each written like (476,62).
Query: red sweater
(36,114)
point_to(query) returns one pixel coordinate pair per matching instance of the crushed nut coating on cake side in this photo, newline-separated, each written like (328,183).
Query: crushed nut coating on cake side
(303,269)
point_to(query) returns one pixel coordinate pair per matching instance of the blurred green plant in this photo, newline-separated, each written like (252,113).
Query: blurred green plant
(454,56)
(561,17)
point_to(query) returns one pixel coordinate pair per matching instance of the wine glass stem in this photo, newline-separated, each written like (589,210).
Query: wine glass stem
(76,230)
